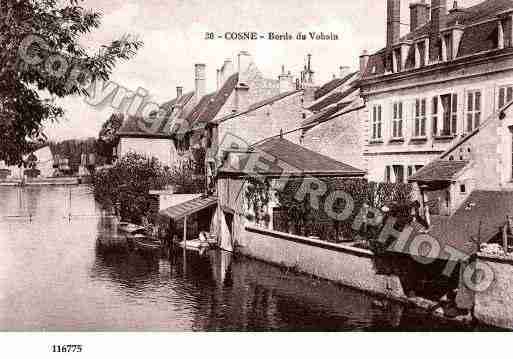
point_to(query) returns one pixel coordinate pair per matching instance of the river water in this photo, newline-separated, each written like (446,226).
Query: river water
(52,277)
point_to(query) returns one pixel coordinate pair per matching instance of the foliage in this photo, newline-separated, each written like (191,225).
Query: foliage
(257,198)
(60,25)
(73,150)
(107,139)
(186,178)
(304,219)
(127,184)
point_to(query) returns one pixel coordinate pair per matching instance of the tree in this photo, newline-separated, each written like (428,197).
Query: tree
(107,139)
(42,56)
(128,184)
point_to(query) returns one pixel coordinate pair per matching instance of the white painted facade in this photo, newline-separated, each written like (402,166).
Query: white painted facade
(409,152)
(161,148)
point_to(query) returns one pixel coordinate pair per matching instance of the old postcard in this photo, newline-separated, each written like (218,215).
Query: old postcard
(255,166)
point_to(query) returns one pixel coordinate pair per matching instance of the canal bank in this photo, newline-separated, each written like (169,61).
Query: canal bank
(53,278)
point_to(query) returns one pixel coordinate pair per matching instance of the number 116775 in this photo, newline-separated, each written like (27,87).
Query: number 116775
(67,348)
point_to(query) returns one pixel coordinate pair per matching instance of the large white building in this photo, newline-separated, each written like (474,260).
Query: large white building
(429,89)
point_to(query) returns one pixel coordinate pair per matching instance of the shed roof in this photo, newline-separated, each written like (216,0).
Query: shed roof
(187,208)
(439,170)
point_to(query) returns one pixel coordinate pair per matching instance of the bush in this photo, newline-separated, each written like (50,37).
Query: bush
(128,183)
(306,220)
(187,178)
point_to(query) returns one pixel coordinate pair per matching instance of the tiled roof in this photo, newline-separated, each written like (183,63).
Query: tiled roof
(183,100)
(332,85)
(325,114)
(480,218)
(439,171)
(138,127)
(332,99)
(478,35)
(208,108)
(257,105)
(284,157)
(477,221)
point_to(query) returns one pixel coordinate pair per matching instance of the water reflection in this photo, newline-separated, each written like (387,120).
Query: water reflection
(53,276)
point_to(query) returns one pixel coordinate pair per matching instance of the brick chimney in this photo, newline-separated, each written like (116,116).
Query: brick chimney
(200,81)
(438,22)
(419,14)
(179,91)
(393,22)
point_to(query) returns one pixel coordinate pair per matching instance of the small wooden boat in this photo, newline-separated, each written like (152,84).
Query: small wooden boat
(146,244)
(130,228)
(112,242)
(195,245)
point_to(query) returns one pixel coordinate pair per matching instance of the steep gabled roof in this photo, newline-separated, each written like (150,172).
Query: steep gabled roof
(332,99)
(257,105)
(182,101)
(332,85)
(210,105)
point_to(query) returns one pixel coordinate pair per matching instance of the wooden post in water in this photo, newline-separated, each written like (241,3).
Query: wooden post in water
(184,243)
(505,236)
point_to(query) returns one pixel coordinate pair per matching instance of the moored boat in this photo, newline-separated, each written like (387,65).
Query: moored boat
(146,244)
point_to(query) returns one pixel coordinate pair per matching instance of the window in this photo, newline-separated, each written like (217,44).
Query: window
(434,114)
(410,171)
(473,110)
(376,123)
(388,174)
(419,127)
(397,121)
(449,123)
(448,47)
(463,189)
(397,60)
(398,173)
(505,95)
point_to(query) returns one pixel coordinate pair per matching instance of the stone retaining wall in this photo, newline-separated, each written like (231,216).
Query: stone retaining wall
(346,265)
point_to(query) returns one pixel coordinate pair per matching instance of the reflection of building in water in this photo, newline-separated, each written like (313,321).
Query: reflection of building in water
(255,296)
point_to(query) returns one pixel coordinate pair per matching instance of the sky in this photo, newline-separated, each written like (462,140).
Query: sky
(173,32)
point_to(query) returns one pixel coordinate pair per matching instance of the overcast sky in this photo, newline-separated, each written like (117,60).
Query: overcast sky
(173,32)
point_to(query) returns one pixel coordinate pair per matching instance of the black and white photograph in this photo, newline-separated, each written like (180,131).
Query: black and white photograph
(172,166)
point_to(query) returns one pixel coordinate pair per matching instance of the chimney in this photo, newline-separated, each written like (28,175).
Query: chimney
(244,61)
(419,14)
(200,81)
(344,71)
(393,22)
(286,82)
(364,60)
(438,22)
(226,71)
(179,91)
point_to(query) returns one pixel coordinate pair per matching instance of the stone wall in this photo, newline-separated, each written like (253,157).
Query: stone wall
(267,121)
(340,138)
(345,265)
(494,306)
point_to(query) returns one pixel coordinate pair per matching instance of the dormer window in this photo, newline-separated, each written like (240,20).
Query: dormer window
(504,31)
(420,54)
(447,54)
(397,60)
